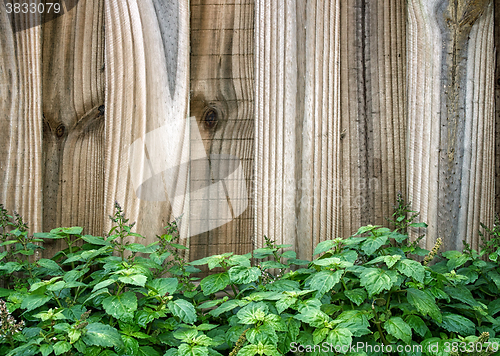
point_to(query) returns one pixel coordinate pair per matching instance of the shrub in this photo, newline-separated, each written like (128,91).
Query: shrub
(106,296)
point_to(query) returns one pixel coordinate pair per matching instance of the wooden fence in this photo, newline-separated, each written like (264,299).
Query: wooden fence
(330,107)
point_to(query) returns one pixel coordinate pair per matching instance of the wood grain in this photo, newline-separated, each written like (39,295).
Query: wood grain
(147,68)
(451,118)
(497,106)
(221,73)
(73,130)
(297,123)
(21,117)
(373,110)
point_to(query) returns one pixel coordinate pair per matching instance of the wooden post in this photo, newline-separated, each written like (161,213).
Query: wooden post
(297,123)
(373,50)
(221,71)
(73,131)
(21,117)
(147,71)
(451,117)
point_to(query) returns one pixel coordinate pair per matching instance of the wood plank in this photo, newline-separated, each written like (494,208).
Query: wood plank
(73,131)
(21,117)
(222,102)
(451,118)
(298,123)
(147,64)
(373,110)
(497,106)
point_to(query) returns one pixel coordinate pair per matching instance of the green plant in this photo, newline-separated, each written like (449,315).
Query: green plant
(111,296)
(490,239)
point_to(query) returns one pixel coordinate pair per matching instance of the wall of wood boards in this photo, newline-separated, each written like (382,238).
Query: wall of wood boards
(327,108)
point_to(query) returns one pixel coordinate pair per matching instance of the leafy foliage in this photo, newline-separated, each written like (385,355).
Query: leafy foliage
(107,296)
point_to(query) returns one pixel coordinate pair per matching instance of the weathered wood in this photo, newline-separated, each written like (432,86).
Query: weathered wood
(73,130)
(373,110)
(298,125)
(497,106)
(147,69)
(221,73)
(451,117)
(21,117)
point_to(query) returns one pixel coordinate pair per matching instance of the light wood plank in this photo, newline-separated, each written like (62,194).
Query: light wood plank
(373,110)
(222,103)
(73,131)
(147,64)
(21,117)
(298,123)
(450,108)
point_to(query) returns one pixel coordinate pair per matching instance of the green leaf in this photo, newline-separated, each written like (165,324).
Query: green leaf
(339,336)
(103,284)
(459,324)
(61,347)
(11,267)
(183,309)
(147,351)
(253,313)
(357,296)
(244,275)
(121,306)
(399,329)
(50,265)
(324,246)
(46,349)
(464,295)
(411,268)
(372,243)
(34,301)
(417,324)
(164,285)
(214,283)
(364,229)
(192,350)
(324,281)
(102,335)
(421,224)
(249,350)
(424,303)
(375,280)
(95,240)
(135,279)
(224,307)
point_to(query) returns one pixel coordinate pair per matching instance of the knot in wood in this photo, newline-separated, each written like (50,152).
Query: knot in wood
(61,129)
(210,118)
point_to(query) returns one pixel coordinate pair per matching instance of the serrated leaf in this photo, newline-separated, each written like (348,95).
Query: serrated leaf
(183,309)
(102,335)
(121,306)
(224,307)
(214,283)
(411,268)
(324,246)
(357,296)
(375,280)
(244,275)
(50,265)
(252,313)
(424,303)
(61,347)
(459,324)
(135,279)
(34,301)
(324,281)
(399,329)
(192,350)
(103,284)
(46,349)
(164,285)
(417,324)
(364,229)
(95,240)
(372,243)
(339,336)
